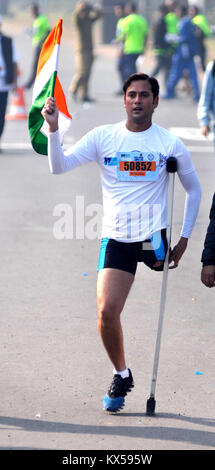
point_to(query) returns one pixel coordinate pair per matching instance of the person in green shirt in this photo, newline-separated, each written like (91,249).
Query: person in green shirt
(120,15)
(171,20)
(134,31)
(202,31)
(40,31)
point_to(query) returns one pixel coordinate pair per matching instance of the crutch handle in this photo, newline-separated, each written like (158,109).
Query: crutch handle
(171,165)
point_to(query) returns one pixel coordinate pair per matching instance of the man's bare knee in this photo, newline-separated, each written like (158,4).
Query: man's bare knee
(107,313)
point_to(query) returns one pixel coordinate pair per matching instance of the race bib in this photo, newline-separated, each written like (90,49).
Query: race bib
(137,166)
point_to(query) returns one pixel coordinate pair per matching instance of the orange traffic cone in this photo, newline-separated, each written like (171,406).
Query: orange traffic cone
(17,107)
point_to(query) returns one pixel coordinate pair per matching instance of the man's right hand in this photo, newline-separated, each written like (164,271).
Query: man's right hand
(205,130)
(50,114)
(208,275)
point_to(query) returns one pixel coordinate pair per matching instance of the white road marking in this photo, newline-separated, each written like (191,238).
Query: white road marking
(187,133)
(69,141)
(16,146)
(191,133)
(201,149)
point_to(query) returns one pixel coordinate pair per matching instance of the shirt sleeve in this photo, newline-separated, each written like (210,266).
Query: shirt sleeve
(190,182)
(184,162)
(83,152)
(205,102)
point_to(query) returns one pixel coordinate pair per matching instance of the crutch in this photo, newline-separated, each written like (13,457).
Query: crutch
(171,167)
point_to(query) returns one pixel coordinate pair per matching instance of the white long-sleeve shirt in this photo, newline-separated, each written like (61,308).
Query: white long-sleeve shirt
(133,177)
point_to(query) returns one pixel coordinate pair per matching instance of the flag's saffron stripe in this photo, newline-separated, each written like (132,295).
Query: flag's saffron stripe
(49,44)
(60,98)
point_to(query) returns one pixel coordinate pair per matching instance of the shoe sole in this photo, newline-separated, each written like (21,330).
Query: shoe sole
(115,404)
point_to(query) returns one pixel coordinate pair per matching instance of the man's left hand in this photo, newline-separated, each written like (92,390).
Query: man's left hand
(177,252)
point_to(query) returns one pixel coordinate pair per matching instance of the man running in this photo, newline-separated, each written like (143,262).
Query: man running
(132,158)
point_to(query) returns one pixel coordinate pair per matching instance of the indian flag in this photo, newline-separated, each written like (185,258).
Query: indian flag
(47,84)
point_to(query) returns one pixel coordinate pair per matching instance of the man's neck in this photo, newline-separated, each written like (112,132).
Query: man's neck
(138,127)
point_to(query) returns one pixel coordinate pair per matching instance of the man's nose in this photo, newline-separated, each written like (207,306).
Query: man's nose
(137,98)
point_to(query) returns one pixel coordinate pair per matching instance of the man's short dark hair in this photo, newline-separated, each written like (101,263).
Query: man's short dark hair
(163,9)
(142,76)
(183,9)
(35,8)
(133,6)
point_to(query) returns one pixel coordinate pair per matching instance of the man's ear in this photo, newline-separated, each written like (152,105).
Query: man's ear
(156,101)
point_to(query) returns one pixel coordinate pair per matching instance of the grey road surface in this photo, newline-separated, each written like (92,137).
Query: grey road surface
(54,371)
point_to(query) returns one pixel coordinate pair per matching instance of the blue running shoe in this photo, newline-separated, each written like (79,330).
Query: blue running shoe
(115,398)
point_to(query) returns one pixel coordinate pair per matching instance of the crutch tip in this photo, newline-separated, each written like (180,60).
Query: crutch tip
(150,406)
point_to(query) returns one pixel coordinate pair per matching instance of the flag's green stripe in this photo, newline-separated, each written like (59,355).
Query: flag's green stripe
(35,118)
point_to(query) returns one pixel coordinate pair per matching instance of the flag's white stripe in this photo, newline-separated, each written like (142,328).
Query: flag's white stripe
(46,72)
(64,123)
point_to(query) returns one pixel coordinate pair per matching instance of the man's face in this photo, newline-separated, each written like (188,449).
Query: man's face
(178,12)
(139,102)
(118,11)
(127,9)
(192,11)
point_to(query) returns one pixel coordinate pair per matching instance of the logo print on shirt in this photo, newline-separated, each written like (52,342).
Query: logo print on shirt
(110,161)
(162,160)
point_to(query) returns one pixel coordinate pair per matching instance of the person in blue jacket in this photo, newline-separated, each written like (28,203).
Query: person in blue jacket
(208,254)
(206,111)
(183,59)
(8,73)
(206,106)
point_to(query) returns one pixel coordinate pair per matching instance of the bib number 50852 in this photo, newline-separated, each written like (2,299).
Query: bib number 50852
(137,166)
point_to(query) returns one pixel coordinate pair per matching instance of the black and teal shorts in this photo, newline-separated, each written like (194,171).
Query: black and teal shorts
(125,255)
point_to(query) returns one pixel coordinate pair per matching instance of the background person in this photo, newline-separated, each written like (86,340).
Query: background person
(162,50)
(119,11)
(183,58)
(171,18)
(40,31)
(172,21)
(8,73)
(206,106)
(202,32)
(84,17)
(134,37)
